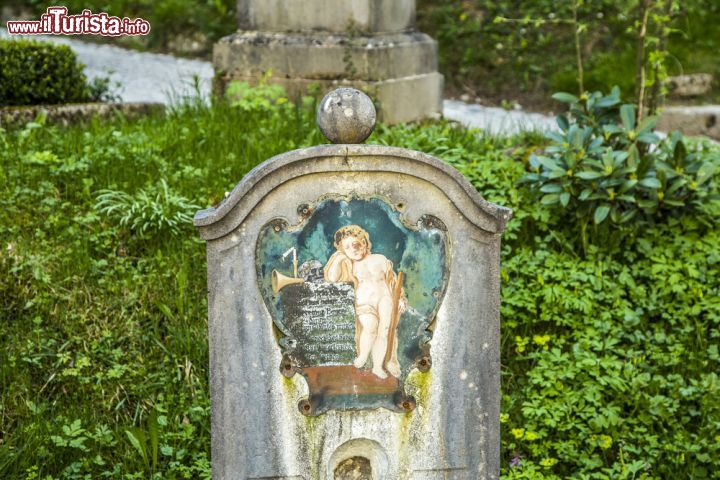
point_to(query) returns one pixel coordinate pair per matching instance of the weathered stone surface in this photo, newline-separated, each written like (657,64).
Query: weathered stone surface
(690,85)
(399,100)
(346,115)
(359,43)
(704,120)
(257,430)
(371,16)
(192,43)
(72,113)
(325,57)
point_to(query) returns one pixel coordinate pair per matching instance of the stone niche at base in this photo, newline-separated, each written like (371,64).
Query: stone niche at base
(368,44)
(354,314)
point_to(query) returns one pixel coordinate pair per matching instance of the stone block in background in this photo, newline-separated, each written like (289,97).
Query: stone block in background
(693,85)
(363,16)
(368,44)
(701,120)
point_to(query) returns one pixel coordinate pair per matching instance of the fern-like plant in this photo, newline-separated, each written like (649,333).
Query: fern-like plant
(149,212)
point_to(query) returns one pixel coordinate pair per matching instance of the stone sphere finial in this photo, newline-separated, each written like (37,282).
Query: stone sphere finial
(346,115)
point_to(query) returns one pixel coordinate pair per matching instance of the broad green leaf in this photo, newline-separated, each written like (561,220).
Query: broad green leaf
(647,125)
(565,97)
(676,184)
(564,199)
(649,138)
(627,116)
(549,163)
(650,182)
(555,137)
(611,129)
(556,174)
(705,173)
(137,440)
(608,101)
(647,204)
(627,216)
(680,151)
(589,175)
(601,212)
(633,156)
(550,199)
(551,188)
(562,122)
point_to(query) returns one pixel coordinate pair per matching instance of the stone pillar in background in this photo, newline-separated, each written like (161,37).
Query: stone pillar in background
(369,44)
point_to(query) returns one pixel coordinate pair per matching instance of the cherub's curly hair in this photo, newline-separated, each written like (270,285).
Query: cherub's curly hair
(352,231)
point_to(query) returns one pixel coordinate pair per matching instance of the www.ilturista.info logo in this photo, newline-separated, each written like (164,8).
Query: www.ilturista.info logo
(57,22)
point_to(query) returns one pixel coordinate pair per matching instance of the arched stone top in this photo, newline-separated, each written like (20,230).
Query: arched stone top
(214,223)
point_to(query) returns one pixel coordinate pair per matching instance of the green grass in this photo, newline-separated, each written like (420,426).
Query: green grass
(610,361)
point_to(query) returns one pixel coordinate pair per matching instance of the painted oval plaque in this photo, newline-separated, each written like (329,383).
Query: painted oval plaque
(353,291)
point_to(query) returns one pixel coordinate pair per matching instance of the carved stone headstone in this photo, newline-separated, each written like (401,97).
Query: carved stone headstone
(368,44)
(354,314)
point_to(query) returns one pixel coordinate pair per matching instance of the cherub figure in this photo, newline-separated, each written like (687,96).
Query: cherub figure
(375,307)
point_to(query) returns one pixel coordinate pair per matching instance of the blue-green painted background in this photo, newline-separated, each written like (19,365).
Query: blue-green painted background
(421,253)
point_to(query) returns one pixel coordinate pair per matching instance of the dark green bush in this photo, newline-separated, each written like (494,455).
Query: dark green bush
(35,73)
(603,165)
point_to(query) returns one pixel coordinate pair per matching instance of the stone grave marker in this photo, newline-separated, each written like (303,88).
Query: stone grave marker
(354,314)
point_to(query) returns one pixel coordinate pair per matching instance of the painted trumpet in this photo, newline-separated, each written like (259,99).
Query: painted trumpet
(280,281)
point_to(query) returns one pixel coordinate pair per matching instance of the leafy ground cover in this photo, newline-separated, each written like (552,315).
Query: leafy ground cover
(610,357)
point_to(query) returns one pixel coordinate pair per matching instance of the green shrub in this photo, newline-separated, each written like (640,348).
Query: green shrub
(601,166)
(34,73)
